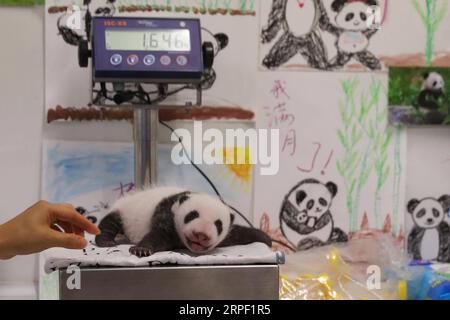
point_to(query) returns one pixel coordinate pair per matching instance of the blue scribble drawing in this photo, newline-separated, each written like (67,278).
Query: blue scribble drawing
(75,169)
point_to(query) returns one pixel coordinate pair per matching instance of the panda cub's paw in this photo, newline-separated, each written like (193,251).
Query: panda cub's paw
(140,252)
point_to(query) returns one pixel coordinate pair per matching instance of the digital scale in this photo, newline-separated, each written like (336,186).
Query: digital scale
(147,50)
(129,52)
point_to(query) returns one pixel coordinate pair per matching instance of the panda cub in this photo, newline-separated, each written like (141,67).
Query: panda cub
(166,218)
(430,227)
(432,89)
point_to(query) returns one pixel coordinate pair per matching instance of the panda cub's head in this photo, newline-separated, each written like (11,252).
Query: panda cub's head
(428,213)
(313,197)
(352,15)
(201,221)
(433,81)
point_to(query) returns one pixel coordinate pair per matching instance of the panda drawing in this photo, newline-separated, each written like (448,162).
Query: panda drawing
(430,228)
(297,38)
(305,217)
(432,89)
(352,32)
(166,218)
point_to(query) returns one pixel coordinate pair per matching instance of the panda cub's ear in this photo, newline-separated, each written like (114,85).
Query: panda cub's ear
(332,187)
(425,75)
(180,199)
(412,205)
(445,202)
(183,198)
(337,5)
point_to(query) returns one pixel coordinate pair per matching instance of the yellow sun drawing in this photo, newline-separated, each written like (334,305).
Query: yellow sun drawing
(237,167)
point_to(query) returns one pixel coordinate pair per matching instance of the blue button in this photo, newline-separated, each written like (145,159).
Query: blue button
(165,60)
(149,60)
(182,60)
(116,59)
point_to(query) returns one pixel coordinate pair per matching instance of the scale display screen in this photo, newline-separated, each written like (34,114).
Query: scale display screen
(144,40)
(147,49)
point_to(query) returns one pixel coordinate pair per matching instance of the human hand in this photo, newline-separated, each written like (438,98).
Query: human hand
(35,230)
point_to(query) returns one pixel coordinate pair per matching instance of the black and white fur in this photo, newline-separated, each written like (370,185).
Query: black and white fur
(352,32)
(429,227)
(166,218)
(309,44)
(432,89)
(305,217)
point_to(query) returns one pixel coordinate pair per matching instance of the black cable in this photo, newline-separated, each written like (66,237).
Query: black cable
(283,244)
(214,187)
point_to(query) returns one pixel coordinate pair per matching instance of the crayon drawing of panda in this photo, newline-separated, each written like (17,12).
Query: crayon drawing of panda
(298,24)
(430,237)
(305,217)
(167,218)
(352,31)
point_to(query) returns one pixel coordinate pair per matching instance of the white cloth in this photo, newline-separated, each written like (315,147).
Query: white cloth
(93,256)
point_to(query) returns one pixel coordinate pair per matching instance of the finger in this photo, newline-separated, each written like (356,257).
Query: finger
(67,227)
(70,228)
(65,214)
(67,205)
(78,231)
(66,240)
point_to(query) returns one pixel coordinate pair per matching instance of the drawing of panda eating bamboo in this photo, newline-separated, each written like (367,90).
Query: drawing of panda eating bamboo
(305,216)
(351,27)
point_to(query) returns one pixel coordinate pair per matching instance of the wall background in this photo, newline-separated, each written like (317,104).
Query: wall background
(22,129)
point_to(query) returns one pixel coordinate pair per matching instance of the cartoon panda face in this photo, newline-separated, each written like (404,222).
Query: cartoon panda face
(302,217)
(105,8)
(433,81)
(427,213)
(313,197)
(352,15)
(201,221)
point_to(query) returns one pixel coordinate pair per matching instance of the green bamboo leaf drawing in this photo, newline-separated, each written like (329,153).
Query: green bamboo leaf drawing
(387,141)
(339,168)
(352,186)
(385,176)
(351,161)
(441,14)
(419,11)
(342,139)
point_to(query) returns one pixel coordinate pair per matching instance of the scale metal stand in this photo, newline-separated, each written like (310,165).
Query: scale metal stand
(231,282)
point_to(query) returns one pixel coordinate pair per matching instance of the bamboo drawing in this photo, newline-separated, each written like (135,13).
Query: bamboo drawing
(362,157)
(431,17)
(349,138)
(397,178)
(381,138)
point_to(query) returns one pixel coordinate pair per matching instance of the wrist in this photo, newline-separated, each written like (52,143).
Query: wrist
(6,246)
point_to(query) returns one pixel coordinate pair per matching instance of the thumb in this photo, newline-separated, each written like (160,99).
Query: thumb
(67,240)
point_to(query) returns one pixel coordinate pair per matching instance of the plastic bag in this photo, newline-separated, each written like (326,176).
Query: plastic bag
(363,269)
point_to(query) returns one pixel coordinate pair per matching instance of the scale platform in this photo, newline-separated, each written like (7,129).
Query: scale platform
(240,282)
